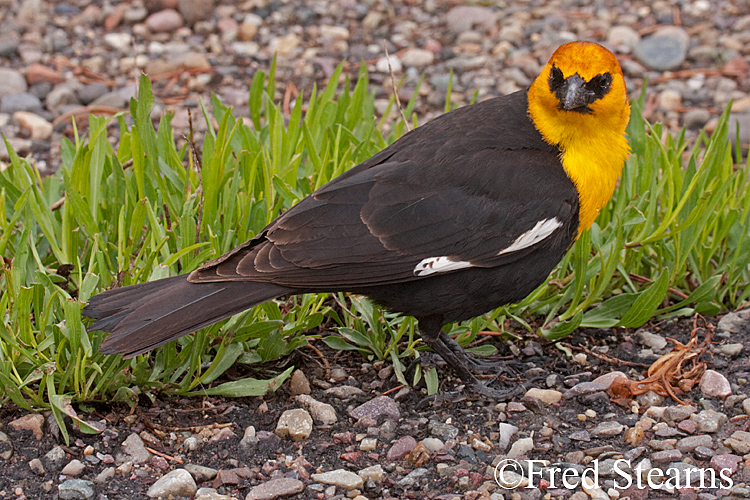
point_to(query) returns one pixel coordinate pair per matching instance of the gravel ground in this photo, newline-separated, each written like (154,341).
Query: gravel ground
(65,59)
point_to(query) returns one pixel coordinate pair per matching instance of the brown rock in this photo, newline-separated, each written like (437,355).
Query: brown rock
(195,10)
(164,21)
(32,422)
(299,384)
(37,73)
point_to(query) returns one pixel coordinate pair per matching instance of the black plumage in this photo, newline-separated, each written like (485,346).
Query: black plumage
(465,187)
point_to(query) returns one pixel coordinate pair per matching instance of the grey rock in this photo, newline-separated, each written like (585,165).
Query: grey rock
(731,350)
(584,388)
(344,392)
(666,456)
(192,443)
(200,472)
(276,488)
(341,478)
(322,413)
(607,429)
(703,453)
(506,431)
(8,46)
(91,92)
(178,483)
(296,424)
(195,10)
(735,322)
(650,399)
(690,443)
(24,101)
(62,95)
(382,406)
(580,436)
(442,430)
(76,489)
(521,447)
(6,446)
(466,17)
(709,420)
(13,82)
(678,413)
(696,118)
(105,475)
(739,441)
(36,466)
(689,471)
(375,473)
(133,450)
(55,458)
(652,340)
(623,38)
(665,50)
(74,468)
(412,477)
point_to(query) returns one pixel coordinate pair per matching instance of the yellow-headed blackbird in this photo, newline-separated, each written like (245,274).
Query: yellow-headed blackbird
(462,215)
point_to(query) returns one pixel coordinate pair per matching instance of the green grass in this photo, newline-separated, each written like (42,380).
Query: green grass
(673,241)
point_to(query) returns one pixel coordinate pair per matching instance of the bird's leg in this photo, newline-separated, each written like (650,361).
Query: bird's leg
(474,364)
(433,335)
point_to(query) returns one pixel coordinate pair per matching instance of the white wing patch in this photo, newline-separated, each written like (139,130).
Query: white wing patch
(432,265)
(540,231)
(444,264)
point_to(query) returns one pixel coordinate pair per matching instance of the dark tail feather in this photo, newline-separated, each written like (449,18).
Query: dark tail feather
(144,316)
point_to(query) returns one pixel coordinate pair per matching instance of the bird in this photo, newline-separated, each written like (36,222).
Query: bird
(466,213)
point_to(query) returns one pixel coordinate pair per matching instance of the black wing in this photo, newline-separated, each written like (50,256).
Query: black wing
(463,188)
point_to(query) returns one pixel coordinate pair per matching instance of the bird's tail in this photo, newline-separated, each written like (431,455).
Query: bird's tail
(144,316)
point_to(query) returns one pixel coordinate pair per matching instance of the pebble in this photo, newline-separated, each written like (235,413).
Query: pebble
(322,413)
(412,477)
(466,17)
(55,458)
(665,50)
(623,38)
(678,413)
(521,447)
(201,473)
(6,446)
(134,450)
(690,443)
(22,101)
(38,127)
(725,461)
(341,478)
(739,441)
(13,82)
(715,385)
(506,433)
(75,489)
(666,456)
(298,383)
(401,448)
(296,424)
(345,392)
(164,20)
(734,322)
(583,388)
(178,483)
(607,429)
(652,340)
(382,406)
(607,379)
(276,488)
(374,472)
(419,58)
(547,396)
(442,430)
(32,422)
(74,468)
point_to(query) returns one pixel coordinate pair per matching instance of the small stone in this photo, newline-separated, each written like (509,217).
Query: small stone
(134,450)
(6,446)
(192,443)
(211,494)
(298,383)
(464,18)
(13,82)
(725,461)
(696,119)
(368,444)
(345,392)
(195,10)
(688,444)
(584,388)
(341,478)
(665,50)
(731,350)
(75,489)
(23,101)
(37,73)
(178,483)
(38,127)
(688,426)
(375,472)
(734,322)
(650,399)
(322,413)
(74,468)
(714,384)
(678,413)
(623,38)
(608,378)
(32,422)
(120,42)
(284,45)
(55,458)
(382,406)
(666,456)
(201,473)
(164,21)
(296,424)
(669,100)
(506,431)
(739,441)
(521,447)
(412,477)
(415,57)
(547,396)
(36,466)
(580,436)
(703,453)
(276,488)
(401,448)
(433,444)
(442,430)
(652,340)
(607,429)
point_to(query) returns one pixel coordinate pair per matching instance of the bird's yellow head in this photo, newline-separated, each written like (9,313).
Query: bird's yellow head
(579,103)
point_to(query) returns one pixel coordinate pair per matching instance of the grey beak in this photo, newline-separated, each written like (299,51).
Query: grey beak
(576,95)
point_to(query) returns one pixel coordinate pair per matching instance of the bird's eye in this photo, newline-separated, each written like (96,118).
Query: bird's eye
(556,79)
(600,84)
